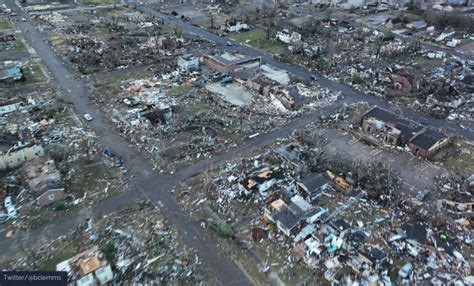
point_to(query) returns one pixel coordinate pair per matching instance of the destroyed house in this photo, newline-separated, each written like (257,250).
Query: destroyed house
(394,130)
(263,179)
(11,74)
(289,219)
(260,85)
(41,172)
(16,158)
(313,185)
(9,106)
(377,256)
(292,153)
(427,142)
(87,268)
(339,225)
(228,63)
(188,62)
(388,126)
(7,37)
(416,232)
(234,26)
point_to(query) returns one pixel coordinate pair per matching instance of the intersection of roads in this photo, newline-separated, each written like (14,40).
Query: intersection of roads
(150,185)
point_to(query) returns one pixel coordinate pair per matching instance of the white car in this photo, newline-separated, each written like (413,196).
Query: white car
(88,117)
(405,271)
(8,202)
(11,211)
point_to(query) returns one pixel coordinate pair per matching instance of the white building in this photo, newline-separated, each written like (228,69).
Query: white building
(188,62)
(9,108)
(235,26)
(288,38)
(16,158)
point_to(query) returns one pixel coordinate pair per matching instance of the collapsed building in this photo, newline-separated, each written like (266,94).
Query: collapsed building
(392,129)
(188,62)
(234,26)
(42,177)
(229,63)
(12,74)
(17,157)
(87,268)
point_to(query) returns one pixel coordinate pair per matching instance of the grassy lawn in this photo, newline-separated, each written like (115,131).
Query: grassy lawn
(258,39)
(92,178)
(249,37)
(198,107)
(34,75)
(180,90)
(5,25)
(19,46)
(68,251)
(463,161)
(295,275)
(11,50)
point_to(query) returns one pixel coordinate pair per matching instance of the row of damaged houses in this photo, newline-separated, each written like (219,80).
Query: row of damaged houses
(345,236)
(23,154)
(424,4)
(395,130)
(319,238)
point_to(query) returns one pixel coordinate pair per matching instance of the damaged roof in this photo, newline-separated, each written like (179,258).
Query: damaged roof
(314,181)
(427,139)
(406,127)
(289,216)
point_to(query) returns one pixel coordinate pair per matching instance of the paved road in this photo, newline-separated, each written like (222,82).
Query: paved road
(351,95)
(149,184)
(410,39)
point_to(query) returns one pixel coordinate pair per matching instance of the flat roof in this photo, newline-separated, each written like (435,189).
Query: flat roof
(314,181)
(10,72)
(229,59)
(427,139)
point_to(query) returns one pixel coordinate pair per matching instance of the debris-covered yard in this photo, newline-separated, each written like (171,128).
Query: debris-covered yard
(65,168)
(303,210)
(139,250)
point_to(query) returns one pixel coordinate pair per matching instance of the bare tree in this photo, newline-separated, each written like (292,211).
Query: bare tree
(211,18)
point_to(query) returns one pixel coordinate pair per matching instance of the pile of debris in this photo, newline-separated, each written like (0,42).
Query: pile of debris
(128,247)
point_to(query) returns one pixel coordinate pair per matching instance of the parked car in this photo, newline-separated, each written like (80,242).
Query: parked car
(11,211)
(8,202)
(88,117)
(405,271)
(108,152)
(118,162)
(3,216)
